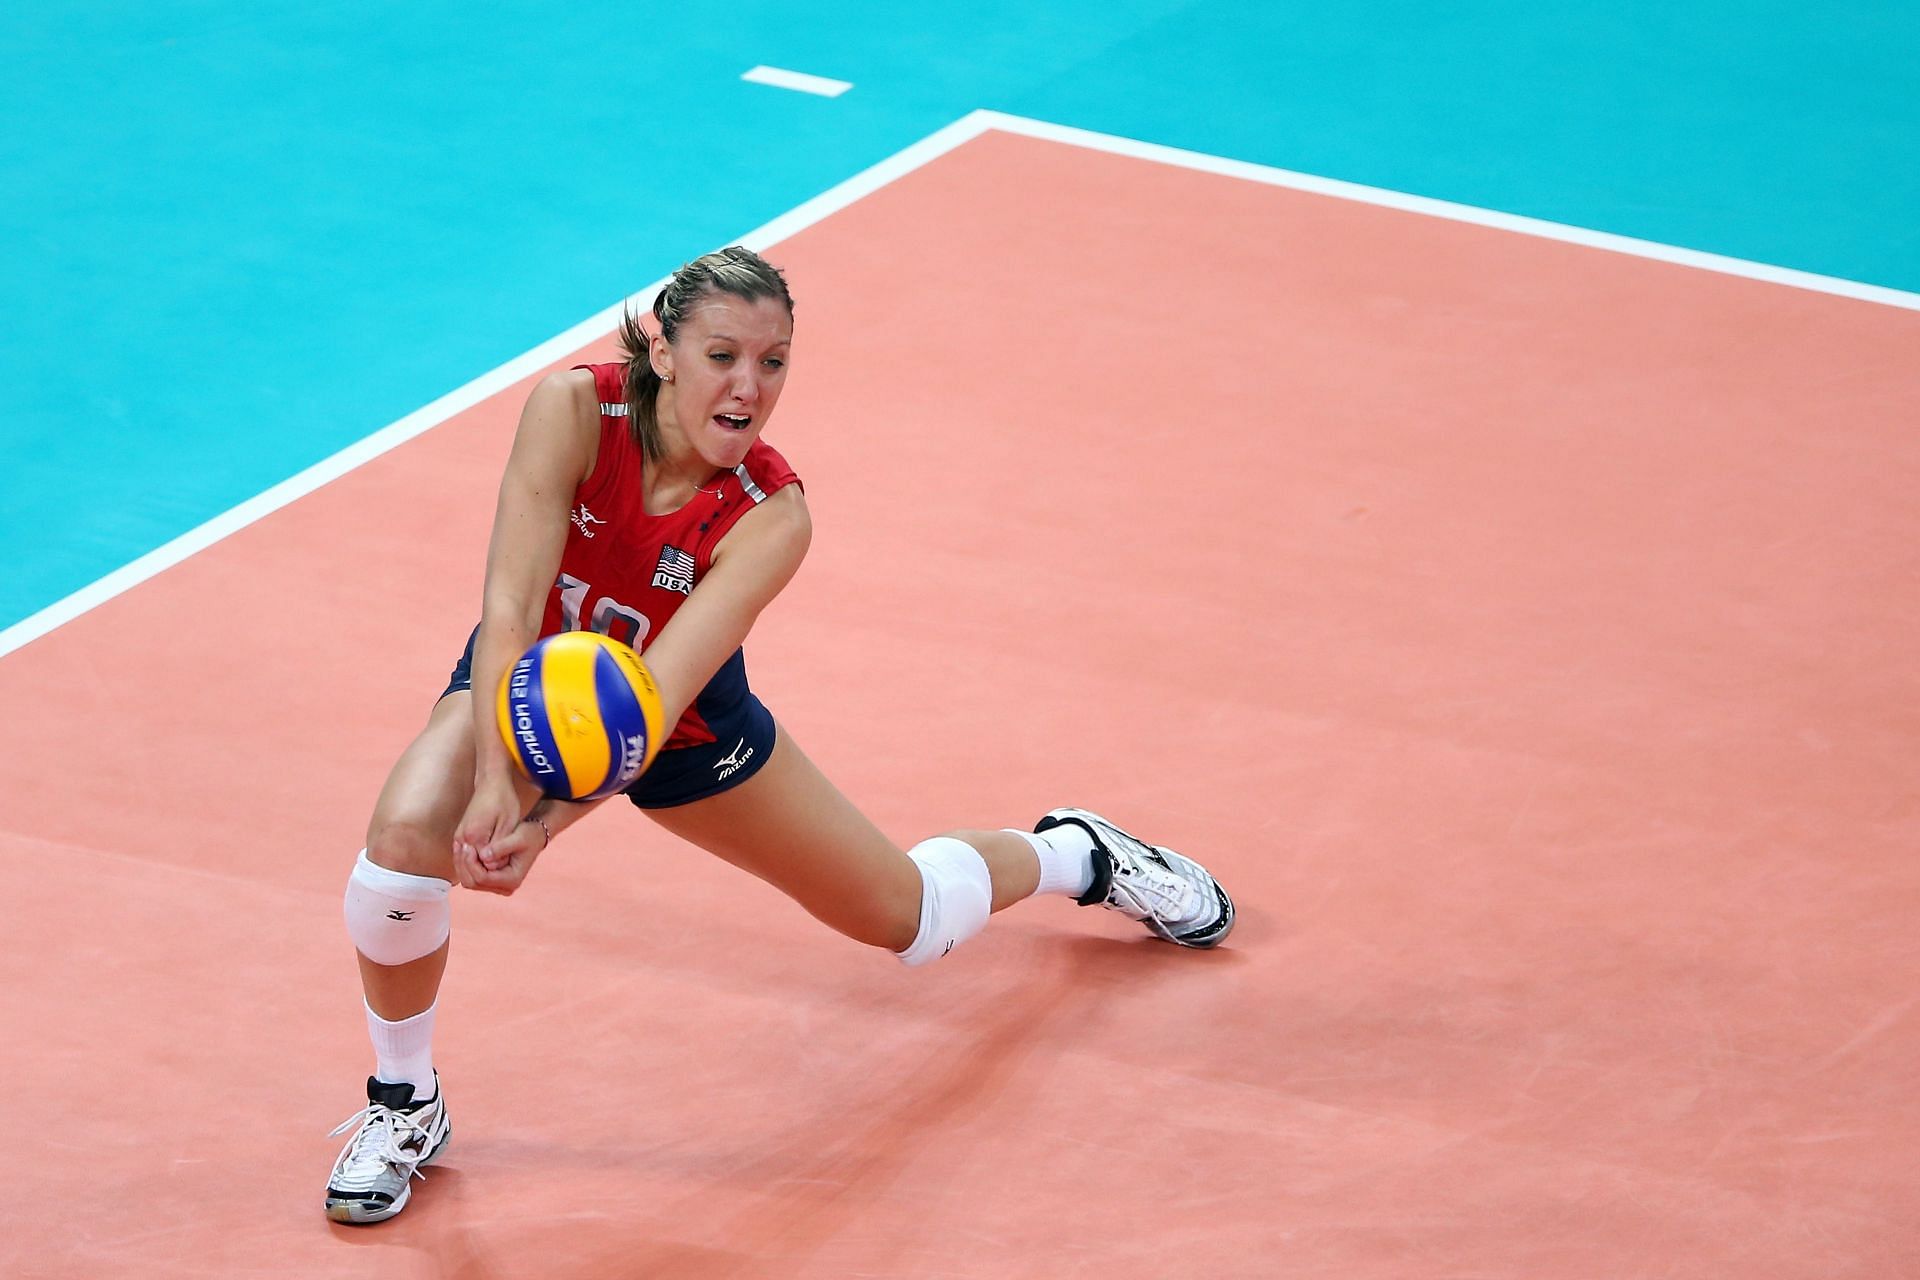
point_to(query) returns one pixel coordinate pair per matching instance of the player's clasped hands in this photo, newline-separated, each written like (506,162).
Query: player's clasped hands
(493,849)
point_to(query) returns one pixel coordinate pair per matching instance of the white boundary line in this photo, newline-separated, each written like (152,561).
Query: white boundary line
(832,201)
(1452,212)
(798,81)
(168,554)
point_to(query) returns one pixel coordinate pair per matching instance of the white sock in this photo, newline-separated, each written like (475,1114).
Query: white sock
(403,1050)
(1066,858)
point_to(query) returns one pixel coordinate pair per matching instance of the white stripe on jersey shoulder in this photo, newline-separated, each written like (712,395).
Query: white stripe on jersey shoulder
(754,491)
(613,410)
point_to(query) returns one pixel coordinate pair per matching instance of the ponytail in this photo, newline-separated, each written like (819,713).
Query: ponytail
(640,386)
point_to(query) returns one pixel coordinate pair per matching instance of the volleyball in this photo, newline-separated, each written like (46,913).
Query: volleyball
(581,715)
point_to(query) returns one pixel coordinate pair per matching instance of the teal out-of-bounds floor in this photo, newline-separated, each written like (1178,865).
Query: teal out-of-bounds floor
(239,238)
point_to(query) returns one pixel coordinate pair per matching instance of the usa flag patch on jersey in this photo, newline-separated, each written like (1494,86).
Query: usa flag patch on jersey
(675,570)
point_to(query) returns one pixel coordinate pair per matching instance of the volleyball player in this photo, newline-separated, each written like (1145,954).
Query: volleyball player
(639,500)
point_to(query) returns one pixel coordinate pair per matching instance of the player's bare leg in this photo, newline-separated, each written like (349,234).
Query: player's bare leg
(409,852)
(411,831)
(790,826)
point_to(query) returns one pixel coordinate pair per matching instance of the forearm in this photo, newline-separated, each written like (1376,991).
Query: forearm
(552,452)
(505,634)
(554,816)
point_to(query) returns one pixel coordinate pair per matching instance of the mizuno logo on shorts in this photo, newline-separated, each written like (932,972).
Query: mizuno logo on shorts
(734,760)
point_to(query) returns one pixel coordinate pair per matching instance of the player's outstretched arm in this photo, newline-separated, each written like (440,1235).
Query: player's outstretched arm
(553,451)
(751,565)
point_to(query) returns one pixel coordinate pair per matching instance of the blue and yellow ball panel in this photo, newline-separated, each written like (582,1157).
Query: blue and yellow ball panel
(523,724)
(581,715)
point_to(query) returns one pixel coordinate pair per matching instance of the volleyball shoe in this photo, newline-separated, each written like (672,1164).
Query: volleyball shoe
(1175,897)
(373,1178)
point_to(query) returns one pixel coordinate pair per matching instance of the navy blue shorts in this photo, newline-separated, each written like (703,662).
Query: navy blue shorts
(743,739)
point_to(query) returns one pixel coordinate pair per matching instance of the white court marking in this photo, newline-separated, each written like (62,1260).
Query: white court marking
(799,81)
(832,201)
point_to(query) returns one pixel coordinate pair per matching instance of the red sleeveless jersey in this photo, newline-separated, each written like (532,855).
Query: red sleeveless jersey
(624,573)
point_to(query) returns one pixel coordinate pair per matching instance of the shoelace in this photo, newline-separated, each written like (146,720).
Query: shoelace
(1161,889)
(363,1160)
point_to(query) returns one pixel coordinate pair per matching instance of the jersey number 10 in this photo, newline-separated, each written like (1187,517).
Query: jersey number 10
(610,618)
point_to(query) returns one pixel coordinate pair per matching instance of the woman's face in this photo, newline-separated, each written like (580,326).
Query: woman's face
(728,363)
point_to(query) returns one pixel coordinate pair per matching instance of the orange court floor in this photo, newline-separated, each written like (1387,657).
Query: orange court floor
(1523,632)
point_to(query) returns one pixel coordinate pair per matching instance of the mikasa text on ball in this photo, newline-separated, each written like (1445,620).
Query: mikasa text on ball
(581,715)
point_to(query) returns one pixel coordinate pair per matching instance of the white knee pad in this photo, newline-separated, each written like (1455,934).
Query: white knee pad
(393,917)
(955,899)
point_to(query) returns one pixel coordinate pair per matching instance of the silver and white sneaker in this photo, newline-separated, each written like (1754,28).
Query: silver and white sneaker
(373,1178)
(1175,897)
